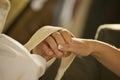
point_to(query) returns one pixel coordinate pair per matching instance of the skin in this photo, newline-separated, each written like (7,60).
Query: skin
(60,44)
(49,47)
(105,53)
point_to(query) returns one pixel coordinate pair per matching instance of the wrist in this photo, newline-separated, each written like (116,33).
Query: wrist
(99,49)
(95,47)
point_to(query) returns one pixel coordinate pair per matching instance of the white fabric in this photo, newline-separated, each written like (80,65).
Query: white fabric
(42,34)
(16,8)
(4,9)
(65,63)
(16,63)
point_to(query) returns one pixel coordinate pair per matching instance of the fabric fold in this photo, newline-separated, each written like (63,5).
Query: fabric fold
(41,35)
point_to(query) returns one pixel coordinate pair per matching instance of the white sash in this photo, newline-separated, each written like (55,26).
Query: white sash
(41,35)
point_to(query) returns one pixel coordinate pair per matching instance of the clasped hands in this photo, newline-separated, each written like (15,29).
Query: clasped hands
(49,47)
(61,44)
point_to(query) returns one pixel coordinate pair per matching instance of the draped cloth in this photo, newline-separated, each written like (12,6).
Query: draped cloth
(38,37)
(51,72)
(4,9)
(16,63)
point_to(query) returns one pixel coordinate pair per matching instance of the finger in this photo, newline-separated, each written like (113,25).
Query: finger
(75,48)
(67,54)
(47,50)
(43,50)
(38,49)
(48,53)
(53,45)
(66,47)
(58,38)
(48,58)
(66,35)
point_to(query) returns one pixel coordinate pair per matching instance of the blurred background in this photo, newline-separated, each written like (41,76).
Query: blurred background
(81,17)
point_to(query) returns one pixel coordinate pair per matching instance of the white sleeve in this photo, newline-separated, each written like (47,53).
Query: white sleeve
(16,63)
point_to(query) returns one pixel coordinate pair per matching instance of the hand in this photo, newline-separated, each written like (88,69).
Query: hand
(41,50)
(49,47)
(80,47)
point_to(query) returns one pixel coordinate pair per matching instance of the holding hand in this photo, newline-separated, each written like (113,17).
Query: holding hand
(60,44)
(49,47)
(80,47)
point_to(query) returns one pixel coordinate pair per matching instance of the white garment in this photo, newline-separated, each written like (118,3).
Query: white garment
(16,63)
(38,37)
(4,9)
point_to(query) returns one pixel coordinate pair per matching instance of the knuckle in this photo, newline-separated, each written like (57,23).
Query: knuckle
(49,39)
(64,31)
(54,48)
(56,34)
(44,46)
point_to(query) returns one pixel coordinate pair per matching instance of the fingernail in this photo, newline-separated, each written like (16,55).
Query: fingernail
(60,46)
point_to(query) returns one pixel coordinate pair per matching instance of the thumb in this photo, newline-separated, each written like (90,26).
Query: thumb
(65,47)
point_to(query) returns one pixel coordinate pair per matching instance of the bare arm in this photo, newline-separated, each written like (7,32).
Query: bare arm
(107,54)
